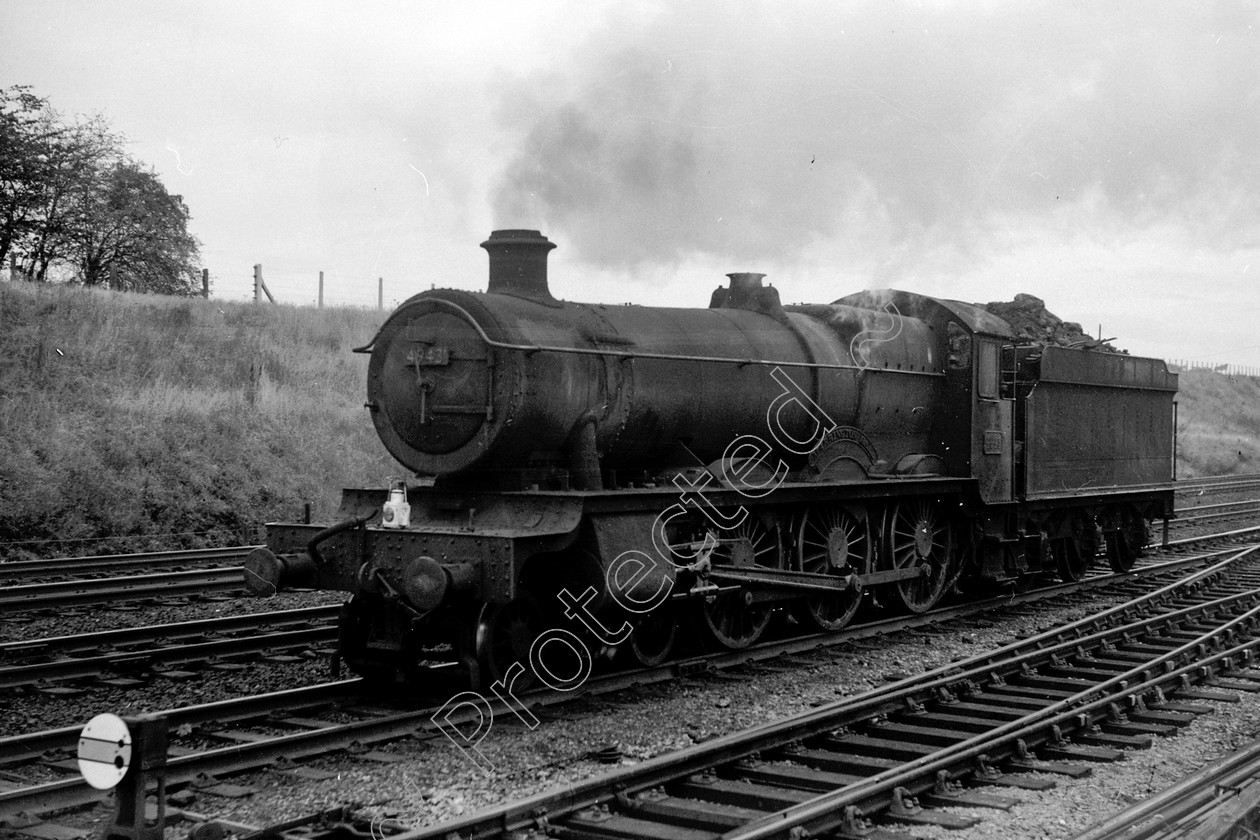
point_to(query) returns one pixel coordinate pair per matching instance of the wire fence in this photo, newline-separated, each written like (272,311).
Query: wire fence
(309,289)
(1225,368)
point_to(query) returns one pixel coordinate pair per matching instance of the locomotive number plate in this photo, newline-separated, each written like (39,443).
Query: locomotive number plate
(992,443)
(431,356)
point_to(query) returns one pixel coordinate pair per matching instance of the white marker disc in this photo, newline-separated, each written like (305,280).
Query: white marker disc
(104,751)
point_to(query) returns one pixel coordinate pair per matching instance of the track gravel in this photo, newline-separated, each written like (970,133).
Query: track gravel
(423,783)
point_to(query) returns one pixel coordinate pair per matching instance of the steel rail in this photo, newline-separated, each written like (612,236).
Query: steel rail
(128,637)
(1192,508)
(1237,532)
(15,749)
(1220,486)
(1210,480)
(91,666)
(1206,802)
(1186,518)
(25,569)
(37,596)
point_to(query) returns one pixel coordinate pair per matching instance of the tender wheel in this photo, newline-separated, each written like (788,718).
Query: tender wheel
(1139,536)
(1124,536)
(1072,560)
(1120,553)
(505,633)
(730,618)
(1132,539)
(652,640)
(917,536)
(831,540)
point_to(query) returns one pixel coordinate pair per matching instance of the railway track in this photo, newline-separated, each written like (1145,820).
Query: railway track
(1048,703)
(1053,704)
(1194,515)
(1219,483)
(310,735)
(62,568)
(103,591)
(287,726)
(134,655)
(1221,800)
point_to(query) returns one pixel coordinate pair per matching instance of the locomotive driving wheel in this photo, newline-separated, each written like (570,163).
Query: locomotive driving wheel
(831,540)
(731,619)
(918,537)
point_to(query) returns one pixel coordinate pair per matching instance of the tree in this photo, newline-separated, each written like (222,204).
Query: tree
(130,234)
(23,165)
(76,154)
(70,197)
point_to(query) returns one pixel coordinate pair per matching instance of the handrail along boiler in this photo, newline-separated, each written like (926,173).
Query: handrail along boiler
(550,438)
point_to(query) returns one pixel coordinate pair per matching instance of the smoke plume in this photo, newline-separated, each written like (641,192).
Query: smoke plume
(893,130)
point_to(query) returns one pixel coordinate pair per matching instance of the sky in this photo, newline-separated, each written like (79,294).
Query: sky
(1104,157)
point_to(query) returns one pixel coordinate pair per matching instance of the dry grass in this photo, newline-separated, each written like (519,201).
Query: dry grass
(153,420)
(1218,426)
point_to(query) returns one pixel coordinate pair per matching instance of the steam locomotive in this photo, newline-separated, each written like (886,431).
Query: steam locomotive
(619,477)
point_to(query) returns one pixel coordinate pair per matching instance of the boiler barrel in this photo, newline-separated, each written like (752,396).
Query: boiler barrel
(482,381)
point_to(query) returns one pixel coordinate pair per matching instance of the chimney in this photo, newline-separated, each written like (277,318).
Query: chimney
(518,264)
(745,283)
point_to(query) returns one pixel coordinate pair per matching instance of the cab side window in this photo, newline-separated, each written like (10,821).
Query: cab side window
(958,343)
(988,369)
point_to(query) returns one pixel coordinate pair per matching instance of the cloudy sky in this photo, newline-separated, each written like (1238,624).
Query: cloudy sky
(1102,156)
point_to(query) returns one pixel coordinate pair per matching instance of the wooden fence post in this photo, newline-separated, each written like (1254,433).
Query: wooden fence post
(205,283)
(260,285)
(380,292)
(321,290)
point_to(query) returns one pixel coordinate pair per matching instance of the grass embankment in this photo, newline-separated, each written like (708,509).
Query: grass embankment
(1218,424)
(163,422)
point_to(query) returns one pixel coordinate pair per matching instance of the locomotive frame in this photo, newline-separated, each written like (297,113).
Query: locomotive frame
(567,477)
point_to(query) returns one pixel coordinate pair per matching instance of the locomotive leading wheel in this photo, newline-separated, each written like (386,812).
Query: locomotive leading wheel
(917,537)
(831,540)
(353,630)
(730,618)
(505,633)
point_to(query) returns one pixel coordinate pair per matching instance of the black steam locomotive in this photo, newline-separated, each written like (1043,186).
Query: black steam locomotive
(611,477)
